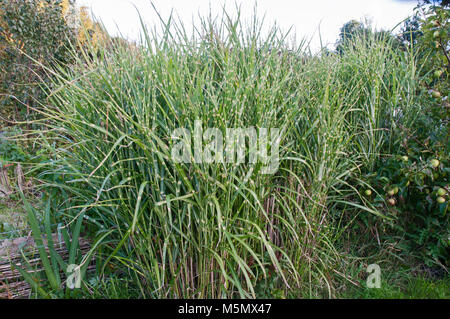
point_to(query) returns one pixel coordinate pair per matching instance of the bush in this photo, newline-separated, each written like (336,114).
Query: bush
(221,230)
(407,191)
(10,149)
(36,35)
(420,219)
(33,34)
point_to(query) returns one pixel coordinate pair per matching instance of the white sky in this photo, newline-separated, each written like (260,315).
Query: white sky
(303,15)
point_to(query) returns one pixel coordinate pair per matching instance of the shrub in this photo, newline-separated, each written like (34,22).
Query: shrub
(29,29)
(220,230)
(36,35)
(419,138)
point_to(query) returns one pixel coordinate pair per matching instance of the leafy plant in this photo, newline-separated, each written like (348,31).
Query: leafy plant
(32,33)
(407,189)
(10,149)
(220,230)
(48,283)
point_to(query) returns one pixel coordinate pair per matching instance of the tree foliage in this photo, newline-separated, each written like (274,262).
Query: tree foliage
(35,34)
(414,176)
(354,30)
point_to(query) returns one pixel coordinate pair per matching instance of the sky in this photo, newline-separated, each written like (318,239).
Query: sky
(306,18)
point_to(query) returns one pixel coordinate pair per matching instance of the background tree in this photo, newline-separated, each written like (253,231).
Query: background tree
(33,34)
(354,30)
(427,35)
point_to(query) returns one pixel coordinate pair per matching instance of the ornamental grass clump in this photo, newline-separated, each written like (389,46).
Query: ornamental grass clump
(221,229)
